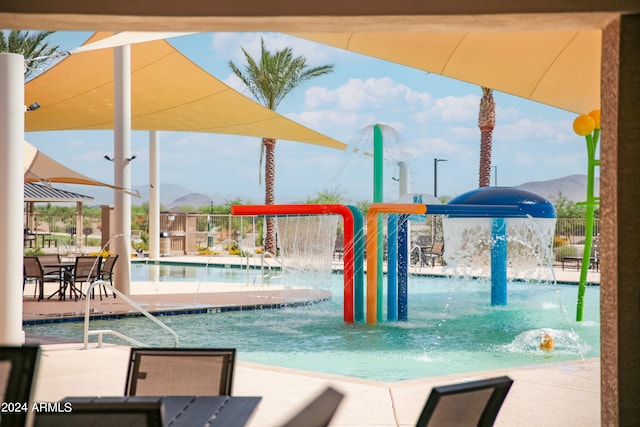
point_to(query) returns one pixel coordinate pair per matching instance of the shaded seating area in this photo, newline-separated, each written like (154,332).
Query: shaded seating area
(71,275)
(34,235)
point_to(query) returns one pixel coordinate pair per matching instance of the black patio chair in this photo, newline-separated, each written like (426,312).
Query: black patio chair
(180,371)
(18,371)
(473,403)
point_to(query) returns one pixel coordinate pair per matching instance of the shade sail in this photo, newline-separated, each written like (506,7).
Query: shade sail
(558,68)
(168,92)
(39,167)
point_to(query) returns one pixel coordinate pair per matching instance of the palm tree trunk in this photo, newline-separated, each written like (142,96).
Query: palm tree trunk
(269,189)
(486,123)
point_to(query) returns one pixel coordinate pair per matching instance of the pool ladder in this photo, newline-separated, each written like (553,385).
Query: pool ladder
(101,332)
(270,273)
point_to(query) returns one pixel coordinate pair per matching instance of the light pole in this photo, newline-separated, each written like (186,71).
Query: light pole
(435,175)
(495,176)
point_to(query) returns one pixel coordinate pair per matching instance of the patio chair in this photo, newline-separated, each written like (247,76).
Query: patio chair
(180,371)
(318,412)
(89,413)
(18,371)
(106,273)
(473,403)
(421,246)
(33,270)
(47,259)
(436,251)
(85,270)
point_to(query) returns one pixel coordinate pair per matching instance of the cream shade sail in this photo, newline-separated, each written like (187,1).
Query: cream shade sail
(557,68)
(38,167)
(168,92)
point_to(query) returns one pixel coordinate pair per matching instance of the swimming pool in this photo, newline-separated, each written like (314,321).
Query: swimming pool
(451,329)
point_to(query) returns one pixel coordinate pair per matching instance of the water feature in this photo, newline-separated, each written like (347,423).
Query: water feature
(452,329)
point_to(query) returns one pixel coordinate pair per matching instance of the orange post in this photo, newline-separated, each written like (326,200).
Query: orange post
(374,283)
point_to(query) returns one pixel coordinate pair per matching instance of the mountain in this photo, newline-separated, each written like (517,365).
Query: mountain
(573,187)
(173,196)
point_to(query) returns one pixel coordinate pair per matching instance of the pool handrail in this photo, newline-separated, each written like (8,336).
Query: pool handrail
(269,274)
(100,332)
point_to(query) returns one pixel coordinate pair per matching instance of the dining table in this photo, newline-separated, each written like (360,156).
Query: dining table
(178,411)
(66,280)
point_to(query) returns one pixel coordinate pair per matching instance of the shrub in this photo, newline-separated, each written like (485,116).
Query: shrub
(565,251)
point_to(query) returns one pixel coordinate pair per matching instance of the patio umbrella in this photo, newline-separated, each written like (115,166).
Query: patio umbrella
(38,167)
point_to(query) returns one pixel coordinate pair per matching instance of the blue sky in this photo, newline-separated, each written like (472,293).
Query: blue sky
(432,117)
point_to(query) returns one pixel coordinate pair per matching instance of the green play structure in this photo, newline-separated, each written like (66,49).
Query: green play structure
(588,125)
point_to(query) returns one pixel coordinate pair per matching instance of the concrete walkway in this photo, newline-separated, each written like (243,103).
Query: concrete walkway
(563,394)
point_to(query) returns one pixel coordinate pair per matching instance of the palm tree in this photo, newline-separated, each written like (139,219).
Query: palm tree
(270,80)
(486,123)
(29,44)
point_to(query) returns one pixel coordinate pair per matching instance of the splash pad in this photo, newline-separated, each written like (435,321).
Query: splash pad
(496,203)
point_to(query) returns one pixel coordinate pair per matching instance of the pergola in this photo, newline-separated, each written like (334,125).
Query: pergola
(39,193)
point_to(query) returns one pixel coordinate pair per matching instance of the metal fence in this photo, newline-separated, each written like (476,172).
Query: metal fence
(192,233)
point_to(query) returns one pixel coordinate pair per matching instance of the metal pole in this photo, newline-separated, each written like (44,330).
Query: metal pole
(495,176)
(435,175)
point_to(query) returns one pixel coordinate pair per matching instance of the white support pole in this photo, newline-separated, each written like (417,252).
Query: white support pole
(403,178)
(154,195)
(12,113)
(121,166)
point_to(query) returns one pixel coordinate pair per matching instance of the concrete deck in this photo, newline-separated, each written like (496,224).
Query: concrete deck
(563,394)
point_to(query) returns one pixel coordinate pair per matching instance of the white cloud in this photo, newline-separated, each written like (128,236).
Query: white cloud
(436,146)
(332,121)
(357,94)
(452,109)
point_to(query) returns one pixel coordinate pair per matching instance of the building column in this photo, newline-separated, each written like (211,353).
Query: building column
(122,167)
(12,112)
(620,226)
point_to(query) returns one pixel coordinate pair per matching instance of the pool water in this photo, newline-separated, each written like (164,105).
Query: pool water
(451,329)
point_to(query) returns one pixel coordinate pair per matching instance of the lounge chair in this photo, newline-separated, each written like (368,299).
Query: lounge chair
(473,403)
(18,371)
(180,371)
(318,412)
